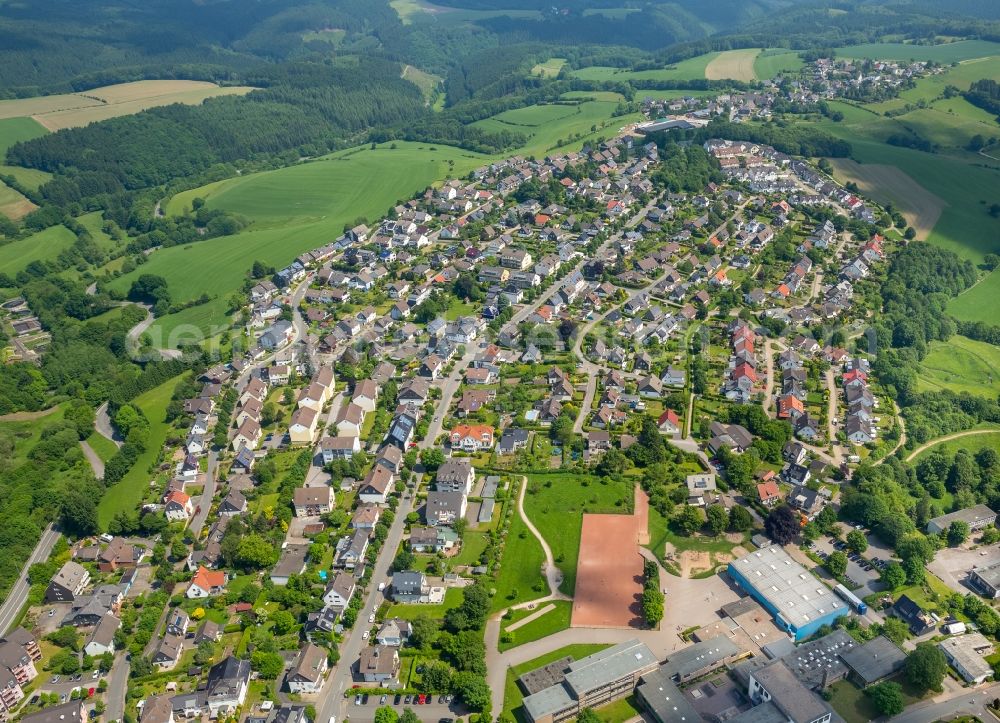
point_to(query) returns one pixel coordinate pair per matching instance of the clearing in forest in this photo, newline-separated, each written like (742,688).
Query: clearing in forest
(733,65)
(920,207)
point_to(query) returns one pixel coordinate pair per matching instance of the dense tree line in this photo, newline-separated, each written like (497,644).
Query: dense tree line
(985,94)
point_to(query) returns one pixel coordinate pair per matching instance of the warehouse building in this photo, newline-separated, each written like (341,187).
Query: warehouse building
(589,682)
(799,602)
(702,658)
(977,518)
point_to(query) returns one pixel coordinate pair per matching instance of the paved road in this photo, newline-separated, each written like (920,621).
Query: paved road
(18,595)
(205,503)
(117,685)
(104,425)
(96,463)
(951,705)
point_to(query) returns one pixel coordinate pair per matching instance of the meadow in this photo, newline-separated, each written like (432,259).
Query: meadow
(13,205)
(945,53)
(520,567)
(42,246)
(957,179)
(429,84)
(961,365)
(550,127)
(980,302)
(418,11)
(769,63)
(556,504)
(70,110)
(550,68)
(971,443)
(128,493)
(690,69)
(292,210)
(556,619)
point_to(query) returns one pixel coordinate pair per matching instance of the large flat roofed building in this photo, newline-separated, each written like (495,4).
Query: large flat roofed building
(967,654)
(702,658)
(986,580)
(799,602)
(591,682)
(664,700)
(977,518)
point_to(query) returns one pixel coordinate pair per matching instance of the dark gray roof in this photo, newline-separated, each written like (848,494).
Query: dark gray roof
(664,699)
(792,698)
(876,659)
(700,656)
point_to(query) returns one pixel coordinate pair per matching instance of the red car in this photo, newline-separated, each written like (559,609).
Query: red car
(90,693)
(421,699)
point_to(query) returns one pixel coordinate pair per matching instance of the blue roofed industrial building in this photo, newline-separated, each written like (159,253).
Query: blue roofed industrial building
(799,602)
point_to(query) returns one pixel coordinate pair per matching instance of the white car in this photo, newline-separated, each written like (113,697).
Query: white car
(364,635)
(371,618)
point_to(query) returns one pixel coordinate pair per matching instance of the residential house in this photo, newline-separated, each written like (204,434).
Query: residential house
(308,671)
(302,426)
(379,664)
(312,501)
(68,583)
(444,508)
(206,583)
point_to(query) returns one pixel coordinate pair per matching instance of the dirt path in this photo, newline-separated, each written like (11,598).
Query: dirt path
(96,463)
(27,416)
(947,438)
(902,433)
(553,575)
(531,618)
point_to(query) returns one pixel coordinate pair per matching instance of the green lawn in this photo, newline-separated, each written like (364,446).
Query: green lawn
(293,209)
(27,434)
(550,68)
(551,622)
(556,504)
(945,53)
(979,302)
(961,365)
(776,60)
(102,446)
(851,702)
(43,246)
(520,577)
(473,544)
(660,534)
(452,599)
(128,493)
(513,697)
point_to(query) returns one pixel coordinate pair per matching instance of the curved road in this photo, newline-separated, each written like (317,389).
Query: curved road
(96,463)
(104,426)
(947,438)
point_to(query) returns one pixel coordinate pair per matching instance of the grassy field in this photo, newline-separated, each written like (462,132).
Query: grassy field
(551,622)
(854,706)
(979,302)
(13,205)
(428,83)
(42,246)
(130,490)
(771,62)
(733,65)
(520,568)
(70,110)
(972,444)
(103,446)
(513,697)
(690,69)
(556,504)
(418,11)
(957,179)
(293,210)
(961,365)
(550,68)
(14,130)
(946,53)
(26,434)
(549,127)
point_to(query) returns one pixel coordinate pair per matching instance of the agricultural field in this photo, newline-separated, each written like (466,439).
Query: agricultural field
(42,246)
(961,365)
(13,205)
(128,493)
(549,127)
(733,65)
(556,504)
(979,302)
(958,180)
(418,11)
(944,53)
(690,69)
(549,69)
(55,112)
(293,210)
(771,62)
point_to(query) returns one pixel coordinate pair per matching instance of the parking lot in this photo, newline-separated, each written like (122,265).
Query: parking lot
(953,564)
(866,580)
(434,708)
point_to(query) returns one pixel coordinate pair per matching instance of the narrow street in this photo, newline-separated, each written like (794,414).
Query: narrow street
(18,594)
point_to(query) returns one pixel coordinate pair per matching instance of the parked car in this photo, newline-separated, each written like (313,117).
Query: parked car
(407,699)
(357,700)
(383,699)
(371,618)
(364,635)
